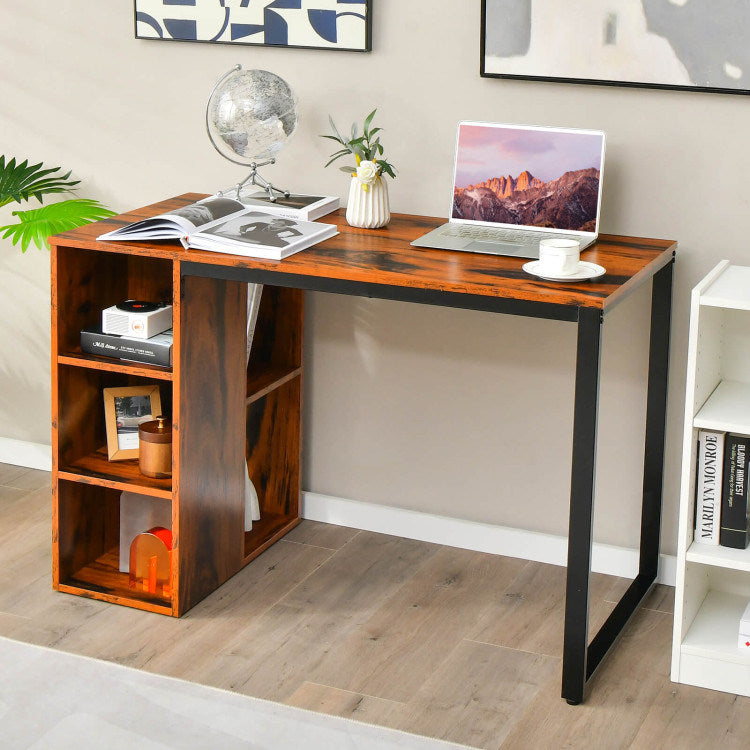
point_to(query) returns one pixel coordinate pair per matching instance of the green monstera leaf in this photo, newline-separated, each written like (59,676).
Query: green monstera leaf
(37,224)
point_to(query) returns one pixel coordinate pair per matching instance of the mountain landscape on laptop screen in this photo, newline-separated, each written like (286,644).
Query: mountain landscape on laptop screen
(542,178)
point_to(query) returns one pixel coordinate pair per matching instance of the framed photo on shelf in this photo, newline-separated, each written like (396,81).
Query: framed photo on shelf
(124,410)
(665,44)
(316,24)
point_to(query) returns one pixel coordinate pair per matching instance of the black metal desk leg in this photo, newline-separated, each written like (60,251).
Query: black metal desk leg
(656,417)
(581,504)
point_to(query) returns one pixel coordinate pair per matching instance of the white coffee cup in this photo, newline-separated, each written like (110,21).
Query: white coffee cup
(559,257)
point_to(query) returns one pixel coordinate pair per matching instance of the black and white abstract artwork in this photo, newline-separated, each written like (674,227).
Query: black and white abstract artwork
(326,24)
(684,44)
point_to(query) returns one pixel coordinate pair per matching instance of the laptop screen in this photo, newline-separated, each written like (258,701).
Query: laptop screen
(527,176)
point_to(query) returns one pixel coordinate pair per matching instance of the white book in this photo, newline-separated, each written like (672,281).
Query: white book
(709,471)
(223,225)
(259,235)
(306,207)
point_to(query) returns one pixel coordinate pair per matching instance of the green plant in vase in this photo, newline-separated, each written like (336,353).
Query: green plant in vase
(368,204)
(20,182)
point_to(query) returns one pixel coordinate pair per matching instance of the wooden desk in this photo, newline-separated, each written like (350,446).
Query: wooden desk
(209,380)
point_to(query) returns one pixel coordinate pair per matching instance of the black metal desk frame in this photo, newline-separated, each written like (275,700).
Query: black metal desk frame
(580,658)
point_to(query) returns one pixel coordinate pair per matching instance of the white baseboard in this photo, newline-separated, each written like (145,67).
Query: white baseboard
(426,527)
(482,537)
(23,453)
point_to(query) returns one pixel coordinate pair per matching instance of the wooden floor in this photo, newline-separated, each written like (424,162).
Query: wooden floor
(433,640)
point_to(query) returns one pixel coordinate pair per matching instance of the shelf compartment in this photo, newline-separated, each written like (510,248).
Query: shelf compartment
(713,633)
(81,429)
(95,468)
(88,281)
(110,364)
(727,409)
(86,547)
(269,529)
(718,556)
(102,579)
(261,383)
(731,289)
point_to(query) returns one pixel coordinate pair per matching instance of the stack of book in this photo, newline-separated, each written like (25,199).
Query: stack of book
(721,489)
(156,350)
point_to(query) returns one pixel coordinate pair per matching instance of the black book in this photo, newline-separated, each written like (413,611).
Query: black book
(734,497)
(155,351)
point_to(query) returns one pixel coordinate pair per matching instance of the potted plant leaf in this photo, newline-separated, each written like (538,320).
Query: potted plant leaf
(21,181)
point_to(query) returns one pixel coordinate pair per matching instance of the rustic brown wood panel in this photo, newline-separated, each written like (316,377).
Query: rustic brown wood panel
(111,364)
(96,468)
(278,332)
(177,348)
(385,256)
(80,410)
(88,282)
(89,523)
(273,449)
(149,279)
(265,532)
(211,425)
(102,576)
(262,382)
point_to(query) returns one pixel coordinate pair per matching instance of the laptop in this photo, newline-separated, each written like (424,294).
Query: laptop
(514,185)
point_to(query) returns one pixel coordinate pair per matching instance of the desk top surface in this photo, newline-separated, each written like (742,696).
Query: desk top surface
(385,257)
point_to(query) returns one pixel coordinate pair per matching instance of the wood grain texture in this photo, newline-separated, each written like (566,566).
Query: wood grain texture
(479,694)
(211,424)
(530,613)
(278,332)
(397,649)
(628,682)
(95,468)
(91,361)
(89,525)
(273,449)
(385,256)
(79,417)
(337,702)
(88,282)
(367,571)
(322,535)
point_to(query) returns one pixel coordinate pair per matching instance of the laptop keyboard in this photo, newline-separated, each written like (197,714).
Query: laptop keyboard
(494,234)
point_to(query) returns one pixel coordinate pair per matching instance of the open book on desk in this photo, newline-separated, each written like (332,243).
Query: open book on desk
(224,225)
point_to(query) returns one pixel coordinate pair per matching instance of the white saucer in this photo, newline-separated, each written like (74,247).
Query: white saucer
(585,272)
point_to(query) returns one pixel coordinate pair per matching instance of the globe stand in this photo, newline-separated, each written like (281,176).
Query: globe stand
(255,178)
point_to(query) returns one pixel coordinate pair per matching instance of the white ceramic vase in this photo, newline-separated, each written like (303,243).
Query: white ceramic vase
(368,208)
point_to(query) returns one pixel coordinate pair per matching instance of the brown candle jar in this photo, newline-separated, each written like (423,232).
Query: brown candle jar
(155,448)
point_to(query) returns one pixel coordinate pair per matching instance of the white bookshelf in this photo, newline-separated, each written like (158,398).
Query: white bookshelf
(713,583)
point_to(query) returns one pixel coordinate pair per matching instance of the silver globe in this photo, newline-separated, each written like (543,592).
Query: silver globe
(250,115)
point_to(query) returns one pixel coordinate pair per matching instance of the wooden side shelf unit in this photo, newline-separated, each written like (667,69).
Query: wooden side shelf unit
(259,424)
(713,582)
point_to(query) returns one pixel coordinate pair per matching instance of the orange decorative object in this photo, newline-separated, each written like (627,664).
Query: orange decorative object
(151,561)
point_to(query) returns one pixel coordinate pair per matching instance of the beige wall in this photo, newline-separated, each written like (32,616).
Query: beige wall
(447,411)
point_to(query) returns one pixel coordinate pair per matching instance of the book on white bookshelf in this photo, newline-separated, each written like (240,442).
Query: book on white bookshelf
(733,531)
(708,486)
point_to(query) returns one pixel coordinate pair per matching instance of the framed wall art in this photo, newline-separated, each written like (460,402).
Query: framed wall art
(319,24)
(699,45)
(124,410)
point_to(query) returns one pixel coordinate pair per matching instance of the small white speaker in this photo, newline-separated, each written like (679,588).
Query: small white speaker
(137,319)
